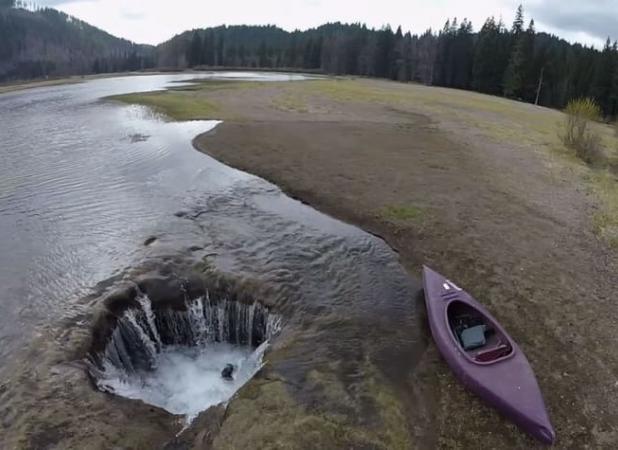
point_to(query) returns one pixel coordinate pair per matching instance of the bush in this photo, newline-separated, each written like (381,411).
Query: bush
(578,131)
(590,151)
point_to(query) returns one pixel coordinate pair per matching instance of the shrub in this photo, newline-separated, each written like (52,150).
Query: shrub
(613,163)
(578,130)
(590,150)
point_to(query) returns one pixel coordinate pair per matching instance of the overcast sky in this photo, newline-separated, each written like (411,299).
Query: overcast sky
(154,21)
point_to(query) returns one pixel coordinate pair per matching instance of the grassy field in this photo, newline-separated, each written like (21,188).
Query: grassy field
(178,105)
(191,102)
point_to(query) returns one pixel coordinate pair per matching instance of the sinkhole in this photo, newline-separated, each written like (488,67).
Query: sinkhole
(183,352)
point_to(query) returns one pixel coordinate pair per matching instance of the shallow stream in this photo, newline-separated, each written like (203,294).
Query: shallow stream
(90,190)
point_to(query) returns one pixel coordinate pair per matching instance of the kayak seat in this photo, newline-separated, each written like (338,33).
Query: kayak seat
(473,337)
(494,353)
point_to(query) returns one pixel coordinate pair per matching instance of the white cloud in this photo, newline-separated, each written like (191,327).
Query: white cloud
(582,21)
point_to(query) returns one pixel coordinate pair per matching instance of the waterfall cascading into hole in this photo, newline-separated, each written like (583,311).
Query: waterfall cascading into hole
(174,358)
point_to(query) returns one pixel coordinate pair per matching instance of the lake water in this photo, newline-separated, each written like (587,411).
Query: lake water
(85,182)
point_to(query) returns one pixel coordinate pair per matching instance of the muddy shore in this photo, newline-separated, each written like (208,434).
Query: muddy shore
(509,219)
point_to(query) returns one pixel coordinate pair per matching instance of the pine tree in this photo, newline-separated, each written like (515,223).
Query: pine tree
(209,48)
(204,50)
(397,61)
(518,23)
(316,54)
(424,58)
(486,72)
(241,55)
(308,48)
(220,52)
(290,52)
(614,92)
(443,67)
(407,69)
(462,56)
(262,55)
(604,77)
(195,50)
(516,78)
(384,56)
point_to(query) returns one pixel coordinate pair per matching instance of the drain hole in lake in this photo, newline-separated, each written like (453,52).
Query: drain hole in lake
(183,357)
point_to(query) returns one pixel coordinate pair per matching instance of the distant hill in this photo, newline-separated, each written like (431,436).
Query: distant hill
(47,42)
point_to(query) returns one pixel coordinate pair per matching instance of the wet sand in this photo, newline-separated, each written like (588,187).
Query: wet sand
(509,219)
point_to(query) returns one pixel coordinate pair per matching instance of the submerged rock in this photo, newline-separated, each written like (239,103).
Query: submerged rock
(227,372)
(151,240)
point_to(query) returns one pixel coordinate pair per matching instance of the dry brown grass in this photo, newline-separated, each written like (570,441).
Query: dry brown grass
(505,122)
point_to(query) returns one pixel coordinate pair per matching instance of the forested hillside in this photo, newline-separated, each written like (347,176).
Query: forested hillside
(46,42)
(516,62)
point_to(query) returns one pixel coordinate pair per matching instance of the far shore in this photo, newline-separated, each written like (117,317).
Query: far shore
(13,86)
(19,85)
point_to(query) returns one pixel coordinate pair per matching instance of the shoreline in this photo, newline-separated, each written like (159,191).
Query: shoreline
(449,179)
(20,85)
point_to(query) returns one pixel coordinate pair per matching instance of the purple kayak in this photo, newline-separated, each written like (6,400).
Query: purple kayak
(483,356)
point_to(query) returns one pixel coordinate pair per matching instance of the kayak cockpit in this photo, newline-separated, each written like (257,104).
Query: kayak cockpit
(477,336)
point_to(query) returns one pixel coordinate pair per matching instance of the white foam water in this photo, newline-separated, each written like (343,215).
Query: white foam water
(184,376)
(188,379)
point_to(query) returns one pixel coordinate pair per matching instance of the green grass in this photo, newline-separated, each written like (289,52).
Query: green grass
(205,86)
(175,105)
(400,213)
(496,117)
(191,102)
(350,91)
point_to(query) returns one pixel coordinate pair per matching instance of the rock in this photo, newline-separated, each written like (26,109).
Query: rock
(227,372)
(150,240)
